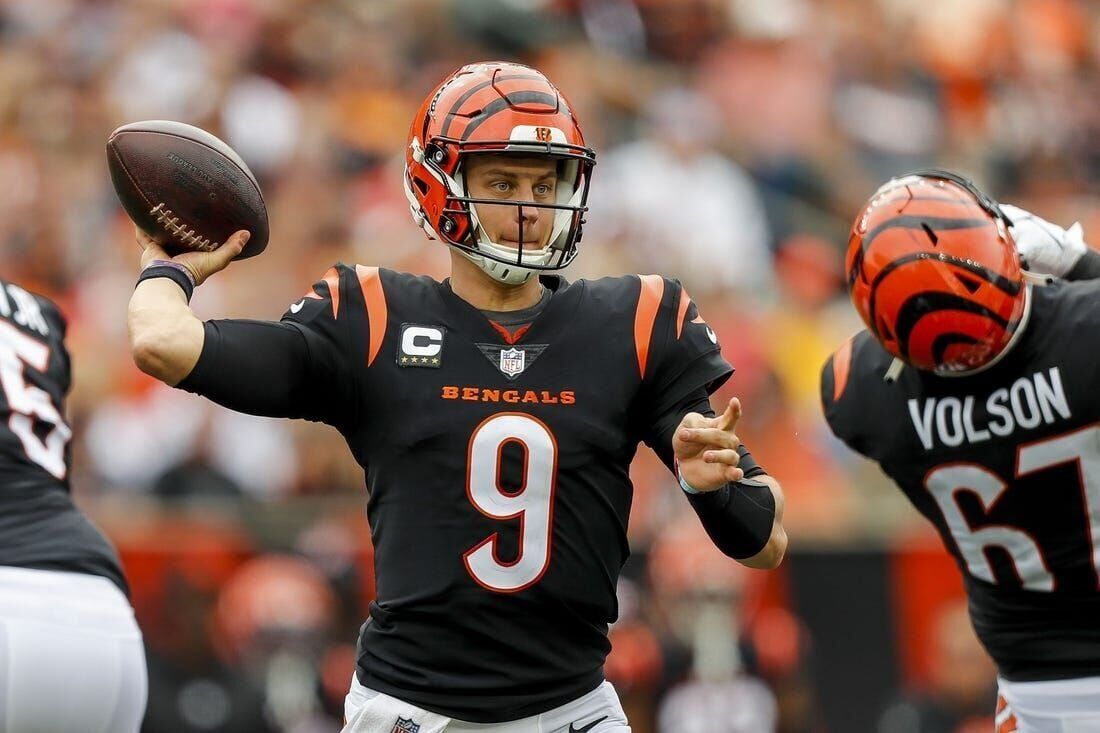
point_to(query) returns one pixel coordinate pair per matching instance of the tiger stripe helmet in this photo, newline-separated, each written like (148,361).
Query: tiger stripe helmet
(496,107)
(934,273)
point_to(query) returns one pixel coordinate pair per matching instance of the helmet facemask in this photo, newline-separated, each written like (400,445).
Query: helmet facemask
(463,213)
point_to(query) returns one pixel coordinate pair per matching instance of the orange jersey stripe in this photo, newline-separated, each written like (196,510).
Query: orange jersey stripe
(375,298)
(649,300)
(681,311)
(842,362)
(332,278)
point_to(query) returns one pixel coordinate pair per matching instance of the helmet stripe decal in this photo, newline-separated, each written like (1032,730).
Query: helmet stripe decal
(925,304)
(993,278)
(504,103)
(453,111)
(924,197)
(1001,283)
(918,222)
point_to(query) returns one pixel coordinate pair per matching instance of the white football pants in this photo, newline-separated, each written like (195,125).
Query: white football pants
(71,655)
(1058,706)
(369,711)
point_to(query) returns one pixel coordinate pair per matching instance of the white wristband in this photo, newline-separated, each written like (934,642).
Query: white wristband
(688,488)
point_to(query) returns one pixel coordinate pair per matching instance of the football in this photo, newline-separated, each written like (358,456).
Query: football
(184,187)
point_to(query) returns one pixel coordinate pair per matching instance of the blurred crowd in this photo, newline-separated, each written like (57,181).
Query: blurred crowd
(735,140)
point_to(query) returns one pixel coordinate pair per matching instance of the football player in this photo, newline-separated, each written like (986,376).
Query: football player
(71,654)
(495,414)
(975,388)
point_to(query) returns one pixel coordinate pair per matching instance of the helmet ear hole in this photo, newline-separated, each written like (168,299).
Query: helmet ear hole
(435,154)
(422,185)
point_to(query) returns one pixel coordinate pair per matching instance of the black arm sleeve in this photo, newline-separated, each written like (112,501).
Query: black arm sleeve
(1087,268)
(739,516)
(261,368)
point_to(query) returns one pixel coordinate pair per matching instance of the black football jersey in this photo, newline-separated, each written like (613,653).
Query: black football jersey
(497,470)
(1006,464)
(39,525)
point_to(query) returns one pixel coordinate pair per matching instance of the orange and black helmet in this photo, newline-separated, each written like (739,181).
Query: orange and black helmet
(496,107)
(934,273)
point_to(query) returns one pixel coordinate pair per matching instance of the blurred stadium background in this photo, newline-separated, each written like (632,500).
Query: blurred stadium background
(735,140)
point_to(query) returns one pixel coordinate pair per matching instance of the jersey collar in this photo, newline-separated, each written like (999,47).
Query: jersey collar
(466,319)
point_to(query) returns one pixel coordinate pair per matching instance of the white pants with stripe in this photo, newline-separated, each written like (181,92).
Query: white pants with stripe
(71,655)
(1058,706)
(599,711)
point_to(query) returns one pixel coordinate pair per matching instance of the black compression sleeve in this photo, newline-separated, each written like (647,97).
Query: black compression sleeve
(738,517)
(1087,268)
(257,367)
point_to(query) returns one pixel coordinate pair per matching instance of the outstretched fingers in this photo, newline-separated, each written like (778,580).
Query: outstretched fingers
(728,456)
(715,437)
(728,419)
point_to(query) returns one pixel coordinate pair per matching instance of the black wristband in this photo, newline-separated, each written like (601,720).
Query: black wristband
(173,271)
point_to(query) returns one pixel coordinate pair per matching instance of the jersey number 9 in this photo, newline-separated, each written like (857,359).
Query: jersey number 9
(532,503)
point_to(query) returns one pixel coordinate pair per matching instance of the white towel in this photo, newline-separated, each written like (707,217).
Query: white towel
(384,714)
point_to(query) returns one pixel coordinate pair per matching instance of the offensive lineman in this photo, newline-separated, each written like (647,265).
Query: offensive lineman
(976,390)
(71,654)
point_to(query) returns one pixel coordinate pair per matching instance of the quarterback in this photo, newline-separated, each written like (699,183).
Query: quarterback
(495,415)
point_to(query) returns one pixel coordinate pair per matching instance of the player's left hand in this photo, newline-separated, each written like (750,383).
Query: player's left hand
(706,448)
(1044,247)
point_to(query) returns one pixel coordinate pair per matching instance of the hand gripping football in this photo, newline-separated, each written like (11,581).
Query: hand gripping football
(184,187)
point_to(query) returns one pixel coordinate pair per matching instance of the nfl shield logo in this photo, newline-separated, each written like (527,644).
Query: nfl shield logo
(512,361)
(405,725)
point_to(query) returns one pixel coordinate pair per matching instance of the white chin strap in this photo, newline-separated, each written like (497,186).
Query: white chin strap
(502,273)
